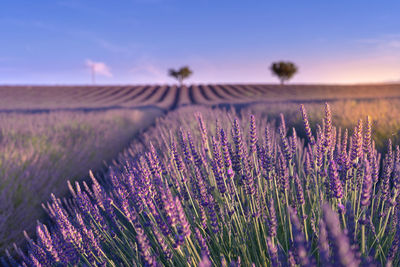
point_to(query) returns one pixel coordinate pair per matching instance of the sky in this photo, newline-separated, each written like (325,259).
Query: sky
(222,41)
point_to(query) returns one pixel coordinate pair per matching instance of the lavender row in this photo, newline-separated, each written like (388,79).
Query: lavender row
(217,188)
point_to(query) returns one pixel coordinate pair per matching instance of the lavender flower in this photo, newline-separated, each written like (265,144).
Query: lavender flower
(253,133)
(335,184)
(299,240)
(299,190)
(342,251)
(328,126)
(177,158)
(367,185)
(357,142)
(272,221)
(307,127)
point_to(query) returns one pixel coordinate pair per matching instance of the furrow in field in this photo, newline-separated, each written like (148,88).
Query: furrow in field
(154,96)
(254,92)
(142,95)
(177,96)
(234,91)
(228,93)
(198,98)
(164,95)
(104,97)
(129,94)
(245,93)
(152,93)
(126,92)
(133,98)
(216,93)
(169,98)
(89,92)
(109,99)
(184,99)
(204,94)
(256,88)
(191,95)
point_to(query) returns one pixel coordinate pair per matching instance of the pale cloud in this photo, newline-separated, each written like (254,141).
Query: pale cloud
(99,68)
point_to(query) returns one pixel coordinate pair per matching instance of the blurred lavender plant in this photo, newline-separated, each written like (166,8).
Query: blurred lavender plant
(40,152)
(200,198)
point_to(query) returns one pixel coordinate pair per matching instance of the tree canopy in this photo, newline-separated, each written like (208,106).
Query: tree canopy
(181,74)
(284,70)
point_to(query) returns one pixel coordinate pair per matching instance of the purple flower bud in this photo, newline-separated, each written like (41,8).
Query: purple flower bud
(307,127)
(342,252)
(225,150)
(185,147)
(328,126)
(144,247)
(205,261)
(367,136)
(253,134)
(299,190)
(177,157)
(212,215)
(293,141)
(299,240)
(202,242)
(367,185)
(287,150)
(323,243)
(162,243)
(335,183)
(283,173)
(203,131)
(272,221)
(283,124)
(197,158)
(182,218)
(273,252)
(357,142)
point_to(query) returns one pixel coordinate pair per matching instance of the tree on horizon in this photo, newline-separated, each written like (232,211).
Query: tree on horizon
(284,70)
(181,74)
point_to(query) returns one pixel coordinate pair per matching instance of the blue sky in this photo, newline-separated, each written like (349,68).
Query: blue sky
(136,41)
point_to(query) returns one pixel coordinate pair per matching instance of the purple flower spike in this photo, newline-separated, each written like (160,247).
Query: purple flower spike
(306,123)
(177,157)
(356,143)
(299,240)
(253,134)
(335,183)
(272,221)
(287,150)
(299,190)
(205,261)
(367,185)
(342,251)
(182,218)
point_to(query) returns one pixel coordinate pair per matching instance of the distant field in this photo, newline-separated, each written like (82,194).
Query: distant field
(40,152)
(170,97)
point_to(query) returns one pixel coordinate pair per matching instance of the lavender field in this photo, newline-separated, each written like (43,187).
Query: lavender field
(210,187)
(223,182)
(40,152)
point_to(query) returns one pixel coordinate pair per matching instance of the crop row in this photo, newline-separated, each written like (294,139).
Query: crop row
(170,97)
